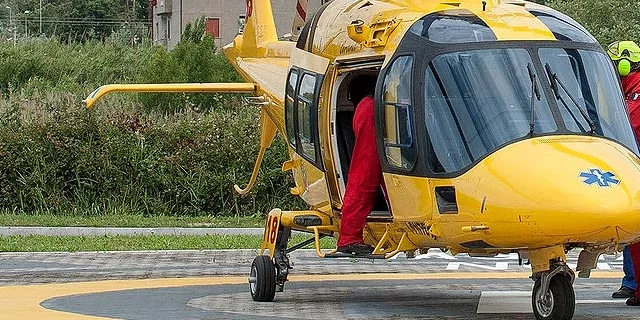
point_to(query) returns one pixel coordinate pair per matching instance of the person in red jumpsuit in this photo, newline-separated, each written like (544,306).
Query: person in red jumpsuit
(626,57)
(365,174)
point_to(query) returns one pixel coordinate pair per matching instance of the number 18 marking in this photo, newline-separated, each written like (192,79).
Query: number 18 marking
(271,231)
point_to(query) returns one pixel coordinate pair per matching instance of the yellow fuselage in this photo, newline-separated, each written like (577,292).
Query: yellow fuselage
(527,194)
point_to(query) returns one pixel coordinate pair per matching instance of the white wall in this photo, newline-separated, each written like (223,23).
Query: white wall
(184,11)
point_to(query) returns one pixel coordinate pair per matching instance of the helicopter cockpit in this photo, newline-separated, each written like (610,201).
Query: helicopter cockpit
(455,91)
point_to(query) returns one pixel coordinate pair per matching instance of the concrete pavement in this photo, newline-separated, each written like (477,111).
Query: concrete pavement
(213,285)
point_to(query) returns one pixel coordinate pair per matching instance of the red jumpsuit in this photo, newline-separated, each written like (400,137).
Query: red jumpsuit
(365,176)
(631,88)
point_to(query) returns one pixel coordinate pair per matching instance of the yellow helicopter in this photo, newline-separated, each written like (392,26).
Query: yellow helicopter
(501,128)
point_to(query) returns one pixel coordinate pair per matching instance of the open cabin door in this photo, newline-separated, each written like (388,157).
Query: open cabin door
(409,195)
(342,135)
(303,123)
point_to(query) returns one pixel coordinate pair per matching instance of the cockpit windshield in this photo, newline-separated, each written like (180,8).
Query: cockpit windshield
(588,79)
(479,100)
(476,101)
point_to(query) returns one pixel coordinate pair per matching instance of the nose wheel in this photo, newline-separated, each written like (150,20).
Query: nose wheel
(553,297)
(262,279)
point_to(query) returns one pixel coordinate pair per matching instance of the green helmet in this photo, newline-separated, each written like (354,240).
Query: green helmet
(624,54)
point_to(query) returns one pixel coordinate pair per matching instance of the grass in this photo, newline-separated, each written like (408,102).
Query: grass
(130,221)
(135,243)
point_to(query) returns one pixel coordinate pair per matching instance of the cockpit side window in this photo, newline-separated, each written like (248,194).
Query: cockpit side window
(453,26)
(399,144)
(289,105)
(301,114)
(306,116)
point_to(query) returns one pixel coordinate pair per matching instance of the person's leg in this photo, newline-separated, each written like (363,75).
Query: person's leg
(628,280)
(634,250)
(356,206)
(355,209)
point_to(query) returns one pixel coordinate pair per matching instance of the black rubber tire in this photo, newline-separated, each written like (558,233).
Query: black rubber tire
(264,288)
(564,299)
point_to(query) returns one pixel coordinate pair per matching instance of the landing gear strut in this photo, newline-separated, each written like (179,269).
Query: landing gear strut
(553,297)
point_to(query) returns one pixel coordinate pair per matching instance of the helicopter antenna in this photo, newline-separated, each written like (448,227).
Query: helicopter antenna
(299,19)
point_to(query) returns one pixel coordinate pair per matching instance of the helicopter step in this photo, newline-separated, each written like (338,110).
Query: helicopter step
(380,217)
(385,247)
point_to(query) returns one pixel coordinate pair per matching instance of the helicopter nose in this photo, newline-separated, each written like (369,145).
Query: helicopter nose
(569,187)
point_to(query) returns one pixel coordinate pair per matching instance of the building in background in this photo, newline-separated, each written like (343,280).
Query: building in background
(224,18)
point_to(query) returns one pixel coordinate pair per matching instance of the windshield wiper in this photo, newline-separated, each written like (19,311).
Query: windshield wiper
(535,93)
(555,81)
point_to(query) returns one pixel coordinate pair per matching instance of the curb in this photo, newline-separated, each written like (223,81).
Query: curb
(87,231)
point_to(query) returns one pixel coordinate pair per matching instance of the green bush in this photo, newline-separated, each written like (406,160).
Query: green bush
(193,60)
(124,156)
(92,162)
(48,66)
(607,20)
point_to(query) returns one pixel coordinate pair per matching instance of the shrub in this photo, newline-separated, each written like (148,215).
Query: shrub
(607,20)
(37,66)
(96,162)
(193,60)
(124,157)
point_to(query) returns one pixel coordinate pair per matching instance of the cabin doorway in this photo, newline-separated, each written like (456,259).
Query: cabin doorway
(344,137)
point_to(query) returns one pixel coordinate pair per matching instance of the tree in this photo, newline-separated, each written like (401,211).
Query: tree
(79,20)
(89,19)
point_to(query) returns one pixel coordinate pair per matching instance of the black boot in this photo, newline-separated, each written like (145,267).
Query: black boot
(633,301)
(358,249)
(622,293)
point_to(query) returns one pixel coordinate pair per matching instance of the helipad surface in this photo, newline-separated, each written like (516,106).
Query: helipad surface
(213,285)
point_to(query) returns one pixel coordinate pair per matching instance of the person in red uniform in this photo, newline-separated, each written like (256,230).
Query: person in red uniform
(626,57)
(365,174)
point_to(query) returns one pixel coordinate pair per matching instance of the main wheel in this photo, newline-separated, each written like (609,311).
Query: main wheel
(558,303)
(262,280)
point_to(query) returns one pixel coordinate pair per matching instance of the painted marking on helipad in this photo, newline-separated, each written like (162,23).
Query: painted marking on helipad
(617,301)
(505,302)
(518,302)
(23,302)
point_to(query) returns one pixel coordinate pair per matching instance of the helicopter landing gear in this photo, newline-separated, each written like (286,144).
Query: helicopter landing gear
(268,275)
(553,297)
(262,279)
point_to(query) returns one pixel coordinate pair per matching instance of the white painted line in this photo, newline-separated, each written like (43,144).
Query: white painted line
(617,301)
(505,302)
(519,302)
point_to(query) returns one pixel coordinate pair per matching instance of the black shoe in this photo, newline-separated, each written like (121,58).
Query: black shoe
(623,293)
(358,249)
(633,301)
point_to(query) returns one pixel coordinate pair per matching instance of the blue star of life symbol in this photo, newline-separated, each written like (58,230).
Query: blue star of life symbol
(603,179)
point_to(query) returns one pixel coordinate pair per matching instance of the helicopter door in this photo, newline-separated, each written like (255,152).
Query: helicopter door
(409,196)
(302,124)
